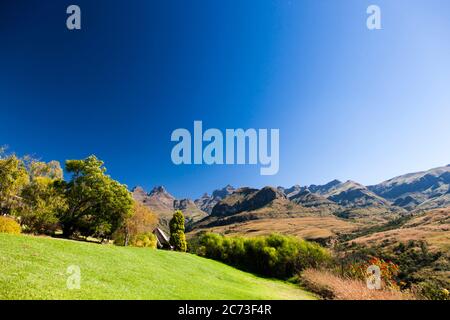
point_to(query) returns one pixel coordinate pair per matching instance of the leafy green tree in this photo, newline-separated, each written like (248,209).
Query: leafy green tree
(97,204)
(177,236)
(13,177)
(42,200)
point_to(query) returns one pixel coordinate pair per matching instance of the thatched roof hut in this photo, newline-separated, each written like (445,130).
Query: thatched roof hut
(163,239)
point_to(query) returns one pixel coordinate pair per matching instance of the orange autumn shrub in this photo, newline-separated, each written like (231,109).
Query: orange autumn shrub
(389,271)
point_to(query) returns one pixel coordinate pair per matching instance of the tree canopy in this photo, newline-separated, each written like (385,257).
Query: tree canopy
(13,177)
(97,204)
(141,223)
(42,200)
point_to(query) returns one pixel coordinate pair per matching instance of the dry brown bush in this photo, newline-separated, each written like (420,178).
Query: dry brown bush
(330,286)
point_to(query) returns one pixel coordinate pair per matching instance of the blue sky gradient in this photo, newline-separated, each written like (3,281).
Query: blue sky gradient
(350,103)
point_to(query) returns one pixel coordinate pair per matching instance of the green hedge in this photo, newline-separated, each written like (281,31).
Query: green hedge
(273,256)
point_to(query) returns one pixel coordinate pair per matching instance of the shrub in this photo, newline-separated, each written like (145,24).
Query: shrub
(144,240)
(412,258)
(178,241)
(388,269)
(331,286)
(141,240)
(274,256)
(9,225)
(432,290)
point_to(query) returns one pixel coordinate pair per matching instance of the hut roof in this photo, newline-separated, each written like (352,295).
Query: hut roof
(163,239)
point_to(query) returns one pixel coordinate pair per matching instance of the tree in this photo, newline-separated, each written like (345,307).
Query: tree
(140,224)
(97,204)
(42,200)
(51,170)
(13,177)
(177,236)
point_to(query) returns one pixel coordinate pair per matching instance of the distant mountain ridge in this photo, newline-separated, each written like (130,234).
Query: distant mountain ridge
(163,204)
(207,202)
(392,198)
(420,190)
(246,199)
(246,204)
(413,191)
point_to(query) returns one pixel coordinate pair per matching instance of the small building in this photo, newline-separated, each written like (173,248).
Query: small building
(163,241)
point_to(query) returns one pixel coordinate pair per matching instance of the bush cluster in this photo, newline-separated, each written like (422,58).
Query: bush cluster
(140,240)
(405,265)
(273,256)
(9,225)
(388,269)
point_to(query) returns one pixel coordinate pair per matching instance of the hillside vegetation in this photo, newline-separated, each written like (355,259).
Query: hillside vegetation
(432,226)
(36,268)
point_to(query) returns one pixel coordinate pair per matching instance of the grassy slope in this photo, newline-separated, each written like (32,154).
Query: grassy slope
(35,268)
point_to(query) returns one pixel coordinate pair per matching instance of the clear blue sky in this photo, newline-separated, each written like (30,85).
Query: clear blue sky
(350,103)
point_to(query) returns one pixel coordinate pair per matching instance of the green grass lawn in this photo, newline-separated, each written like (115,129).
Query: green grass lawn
(36,268)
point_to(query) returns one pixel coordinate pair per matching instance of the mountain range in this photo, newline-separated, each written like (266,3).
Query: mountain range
(399,196)
(164,204)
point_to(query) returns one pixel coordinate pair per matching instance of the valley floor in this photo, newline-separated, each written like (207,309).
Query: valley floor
(37,268)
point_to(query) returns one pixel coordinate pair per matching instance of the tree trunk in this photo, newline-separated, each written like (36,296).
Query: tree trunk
(127,237)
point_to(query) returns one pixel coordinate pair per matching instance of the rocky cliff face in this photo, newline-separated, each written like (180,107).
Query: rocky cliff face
(292,191)
(206,203)
(246,199)
(163,204)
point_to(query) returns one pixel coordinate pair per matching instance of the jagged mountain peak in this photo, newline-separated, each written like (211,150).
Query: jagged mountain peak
(333,182)
(323,189)
(159,190)
(139,189)
(222,193)
(163,204)
(292,191)
(248,199)
(207,202)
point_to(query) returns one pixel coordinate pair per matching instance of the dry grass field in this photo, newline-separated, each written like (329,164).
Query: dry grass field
(309,227)
(334,287)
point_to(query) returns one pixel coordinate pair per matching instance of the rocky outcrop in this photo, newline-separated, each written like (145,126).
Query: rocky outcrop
(206,203)
(163,204)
